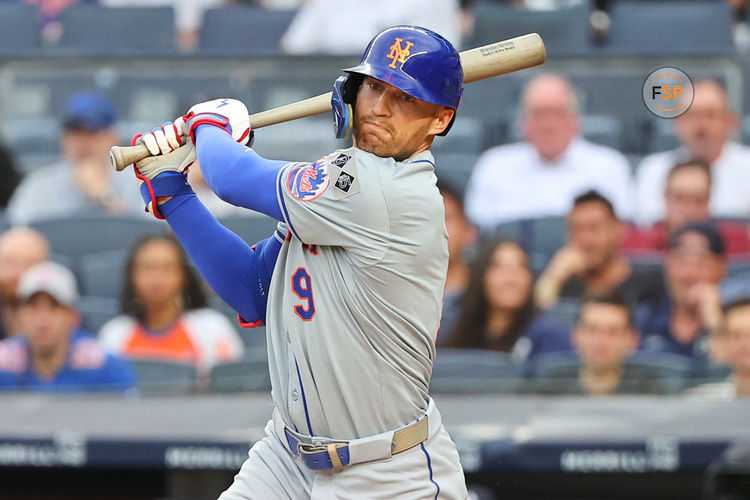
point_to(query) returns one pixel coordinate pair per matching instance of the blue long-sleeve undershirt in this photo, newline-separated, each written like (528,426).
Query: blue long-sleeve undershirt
(238,273)
(236,174)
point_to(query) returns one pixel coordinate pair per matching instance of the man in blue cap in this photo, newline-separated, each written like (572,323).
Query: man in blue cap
(350,285)
(83,182)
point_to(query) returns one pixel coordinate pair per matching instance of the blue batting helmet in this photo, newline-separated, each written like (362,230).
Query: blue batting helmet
(416,61)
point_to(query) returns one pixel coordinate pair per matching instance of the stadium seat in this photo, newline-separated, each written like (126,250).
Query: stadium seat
(96,311)
(603,129)
(251,228)
(91,29)
(32,136)
(565,31)
(455,168)
(464,137)
(19,28)
(670,372)
(249,374)
(565,311)
(548,235)
(243,30)
(155,376)
(313,138)
(474,370)
(75,237)
(103,273)
(515,230)
(690,28)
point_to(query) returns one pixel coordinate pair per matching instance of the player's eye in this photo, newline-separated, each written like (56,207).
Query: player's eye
(407,98)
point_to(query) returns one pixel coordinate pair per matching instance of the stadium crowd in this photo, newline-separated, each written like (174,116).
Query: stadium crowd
(596,275)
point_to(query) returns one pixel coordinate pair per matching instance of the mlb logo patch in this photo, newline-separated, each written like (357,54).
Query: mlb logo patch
(307,182)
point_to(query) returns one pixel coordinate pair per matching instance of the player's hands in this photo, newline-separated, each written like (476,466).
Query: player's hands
(163,176)
(178,160)
(228,114)
(165,139)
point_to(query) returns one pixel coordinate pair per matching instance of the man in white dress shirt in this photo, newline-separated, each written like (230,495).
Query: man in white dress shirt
(542,175)
(705,132)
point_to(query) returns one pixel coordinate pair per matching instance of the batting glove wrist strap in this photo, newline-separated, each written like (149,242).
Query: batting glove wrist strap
(193,120)
(228,114)
(161,186)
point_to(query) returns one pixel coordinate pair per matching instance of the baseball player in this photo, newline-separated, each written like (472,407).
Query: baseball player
(350,285)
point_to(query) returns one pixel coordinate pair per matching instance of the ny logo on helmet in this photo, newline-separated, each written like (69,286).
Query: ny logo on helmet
(398,53)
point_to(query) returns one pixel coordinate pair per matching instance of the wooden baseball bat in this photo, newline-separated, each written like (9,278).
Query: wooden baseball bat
(495,59)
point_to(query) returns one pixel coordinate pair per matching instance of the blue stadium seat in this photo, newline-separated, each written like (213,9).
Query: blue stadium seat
(464,137)
(455,168)
(565,31)
(76,236)
(163,377)
(474,370)
(691,28)
(248,374)
(32,138)
(243,30)
(548,235)
(251,228)
(565,311)
(96,311)
(603,129)
(103,273)
(313,138)
(19,28)
(91,29)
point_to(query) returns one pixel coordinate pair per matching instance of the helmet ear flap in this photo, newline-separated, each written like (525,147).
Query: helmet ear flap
(350,88)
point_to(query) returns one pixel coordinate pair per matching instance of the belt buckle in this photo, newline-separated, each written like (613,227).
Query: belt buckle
(331,450)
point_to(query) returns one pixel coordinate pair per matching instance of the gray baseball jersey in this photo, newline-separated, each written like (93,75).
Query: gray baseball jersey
(356,294)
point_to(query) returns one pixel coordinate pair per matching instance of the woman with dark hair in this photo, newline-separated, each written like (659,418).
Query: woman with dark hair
(498,311)
(164,314)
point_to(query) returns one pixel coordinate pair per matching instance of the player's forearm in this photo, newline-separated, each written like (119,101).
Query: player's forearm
(235,271)
(236,174)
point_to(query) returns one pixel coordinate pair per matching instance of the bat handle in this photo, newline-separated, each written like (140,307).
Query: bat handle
(122,156)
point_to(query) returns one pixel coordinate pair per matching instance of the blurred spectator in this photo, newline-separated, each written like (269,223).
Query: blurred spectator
(20,249)
(49,13)
(461,236)
(357,21)
(542,175)
(84,182)
(9,175)
(604,338)
(214,204)
(164,314)
(591,261)
(497,309)
(704,131)
(740,28)
(53,354)
(736,333)
(686,198)
(680,323)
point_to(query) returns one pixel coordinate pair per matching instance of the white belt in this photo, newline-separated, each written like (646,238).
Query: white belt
(344,452)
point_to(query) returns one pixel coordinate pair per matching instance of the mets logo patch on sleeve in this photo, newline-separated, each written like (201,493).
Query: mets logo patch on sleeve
(307,182)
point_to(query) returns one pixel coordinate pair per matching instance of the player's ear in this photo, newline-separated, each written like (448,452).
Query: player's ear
(442,119)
